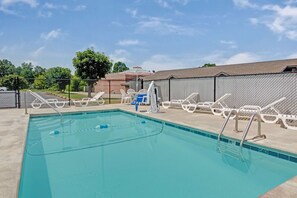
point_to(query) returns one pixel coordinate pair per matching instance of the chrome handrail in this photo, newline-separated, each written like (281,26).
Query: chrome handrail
(225,123)
(37,96)
(248,128)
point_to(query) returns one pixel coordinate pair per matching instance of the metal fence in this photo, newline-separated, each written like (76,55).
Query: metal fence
(245,89)
(10,96)
(60,89)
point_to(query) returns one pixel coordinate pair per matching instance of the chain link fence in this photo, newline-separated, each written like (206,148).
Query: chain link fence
(246,89)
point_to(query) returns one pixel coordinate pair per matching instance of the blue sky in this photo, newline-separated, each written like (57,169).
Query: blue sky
(154,34)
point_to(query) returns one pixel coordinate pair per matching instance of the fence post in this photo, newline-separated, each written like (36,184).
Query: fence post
(18,92)
(25,102)
(141,84)
(69,92)
(169,89)
(214,88)
(109,91)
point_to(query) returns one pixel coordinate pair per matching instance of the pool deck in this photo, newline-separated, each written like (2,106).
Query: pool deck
(14,122)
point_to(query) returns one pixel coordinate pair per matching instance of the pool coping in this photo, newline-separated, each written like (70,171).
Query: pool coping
(249,145)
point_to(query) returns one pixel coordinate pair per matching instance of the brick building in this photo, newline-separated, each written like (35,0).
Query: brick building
(113,82)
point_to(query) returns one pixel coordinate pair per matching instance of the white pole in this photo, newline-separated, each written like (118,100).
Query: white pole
(136,82)
(25,101)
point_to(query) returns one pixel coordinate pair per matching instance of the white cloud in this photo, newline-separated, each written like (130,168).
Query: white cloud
(244,4)
(281,20)
(159,62)
(169,3)
(54,6)
(46,14)
(230,44)
(51,35)
(244,57)
(3,49)
(80,7)
(38,51)
(120,55)
(163,3)
(163,26)
(31,3)
(128,42)
(254,21)
(132,12)
(289,2)
(7,11)
(294,55)
(11,49)
(31,61)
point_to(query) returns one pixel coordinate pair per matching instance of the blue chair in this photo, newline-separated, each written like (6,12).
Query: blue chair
(140,99)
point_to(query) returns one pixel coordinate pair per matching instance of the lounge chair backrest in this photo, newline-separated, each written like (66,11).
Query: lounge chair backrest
(273,103)
(122,92)
(221,99)
(192,95)
(37,96)
(98,95)
(142,91)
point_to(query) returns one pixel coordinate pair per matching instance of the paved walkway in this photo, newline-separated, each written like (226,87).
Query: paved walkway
(13,129)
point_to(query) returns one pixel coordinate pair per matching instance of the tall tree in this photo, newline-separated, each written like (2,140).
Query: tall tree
(119,67)
(6,68)
(91,66)
(9,81)
(38,70)
(209,65)
(26,71)
(59,76)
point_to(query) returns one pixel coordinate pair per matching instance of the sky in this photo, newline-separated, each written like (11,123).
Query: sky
(154,34)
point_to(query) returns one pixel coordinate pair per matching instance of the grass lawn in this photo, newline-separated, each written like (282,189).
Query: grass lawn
(76,96)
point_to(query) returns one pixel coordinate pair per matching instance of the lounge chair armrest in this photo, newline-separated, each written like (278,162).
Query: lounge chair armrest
(250,107)
(52,100)
(85,99)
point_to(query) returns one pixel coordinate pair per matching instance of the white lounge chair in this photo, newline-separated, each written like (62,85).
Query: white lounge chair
(215,107)
(142,91)
(250,109)
(39,101)
(288,120)
(96,99)
(126,98)
(179,103)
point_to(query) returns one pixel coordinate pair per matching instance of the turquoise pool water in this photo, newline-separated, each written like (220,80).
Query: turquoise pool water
(116,154)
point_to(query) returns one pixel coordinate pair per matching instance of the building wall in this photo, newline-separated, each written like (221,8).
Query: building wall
(115,86)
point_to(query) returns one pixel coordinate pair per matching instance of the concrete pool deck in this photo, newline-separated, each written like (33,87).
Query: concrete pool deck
(14,122)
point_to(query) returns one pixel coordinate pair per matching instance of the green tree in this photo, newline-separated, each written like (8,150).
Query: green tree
(38,70)
(26,71)
(75,82)
(209,65)
(6,68)
(57,77)
(40,82)
(119,67)
(9,81)
(91,66)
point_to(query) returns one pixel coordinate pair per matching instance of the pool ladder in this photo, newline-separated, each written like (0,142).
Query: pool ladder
(247,128)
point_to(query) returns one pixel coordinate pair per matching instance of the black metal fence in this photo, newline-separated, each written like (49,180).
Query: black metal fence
(13,90)
(10,94)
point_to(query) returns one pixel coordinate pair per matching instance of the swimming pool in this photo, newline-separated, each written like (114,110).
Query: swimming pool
(119,154)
